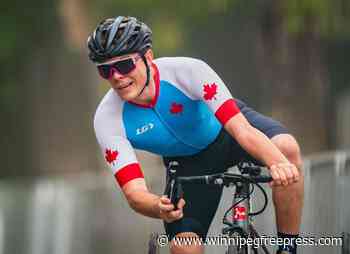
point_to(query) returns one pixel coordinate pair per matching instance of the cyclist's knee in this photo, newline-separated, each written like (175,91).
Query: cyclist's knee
(289,147)
(186,243)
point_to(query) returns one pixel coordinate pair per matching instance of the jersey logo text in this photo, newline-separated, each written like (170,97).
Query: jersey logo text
(144,128)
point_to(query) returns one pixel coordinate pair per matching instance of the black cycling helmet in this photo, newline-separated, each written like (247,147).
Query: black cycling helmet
(118,36)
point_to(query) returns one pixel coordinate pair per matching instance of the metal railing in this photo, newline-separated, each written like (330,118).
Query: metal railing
(87,214)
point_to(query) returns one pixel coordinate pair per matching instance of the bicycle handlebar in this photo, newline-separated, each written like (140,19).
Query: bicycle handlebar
(224,178)
(251,174)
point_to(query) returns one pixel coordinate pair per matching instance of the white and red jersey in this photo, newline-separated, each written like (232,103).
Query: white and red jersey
(191,105)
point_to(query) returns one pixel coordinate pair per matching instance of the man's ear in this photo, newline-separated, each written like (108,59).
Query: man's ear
(149,55)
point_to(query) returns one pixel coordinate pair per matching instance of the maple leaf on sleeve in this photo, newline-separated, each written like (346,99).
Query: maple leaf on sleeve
(210,91)
(111,156)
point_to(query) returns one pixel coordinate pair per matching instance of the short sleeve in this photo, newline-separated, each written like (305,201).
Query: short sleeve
(204,84)
(116,148)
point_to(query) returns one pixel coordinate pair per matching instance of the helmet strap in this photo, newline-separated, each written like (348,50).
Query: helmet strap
(148,73)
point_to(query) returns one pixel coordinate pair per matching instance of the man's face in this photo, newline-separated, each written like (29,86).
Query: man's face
(128,86)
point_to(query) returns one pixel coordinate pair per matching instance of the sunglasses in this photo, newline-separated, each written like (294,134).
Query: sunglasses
(122,67)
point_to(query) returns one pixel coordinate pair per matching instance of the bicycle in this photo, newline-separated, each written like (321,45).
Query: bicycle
(240,226)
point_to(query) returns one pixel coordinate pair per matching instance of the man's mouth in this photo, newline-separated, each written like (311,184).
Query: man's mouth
(125,85)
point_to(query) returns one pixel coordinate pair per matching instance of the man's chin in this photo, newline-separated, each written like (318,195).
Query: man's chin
(125,95)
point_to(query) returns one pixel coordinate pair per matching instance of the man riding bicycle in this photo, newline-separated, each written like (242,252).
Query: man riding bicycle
(179,108)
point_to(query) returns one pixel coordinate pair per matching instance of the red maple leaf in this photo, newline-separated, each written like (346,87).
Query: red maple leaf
(176,108)
(240,213)
(111,156)
(210,91)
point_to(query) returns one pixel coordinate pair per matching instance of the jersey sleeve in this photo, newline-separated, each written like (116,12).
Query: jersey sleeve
(206,85)
(117,150)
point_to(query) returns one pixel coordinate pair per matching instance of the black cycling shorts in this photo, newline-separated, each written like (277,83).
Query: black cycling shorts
(202,200)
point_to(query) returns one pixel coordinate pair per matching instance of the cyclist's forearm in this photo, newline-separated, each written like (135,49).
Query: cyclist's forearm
(145,203)
(256,144)
(261,147)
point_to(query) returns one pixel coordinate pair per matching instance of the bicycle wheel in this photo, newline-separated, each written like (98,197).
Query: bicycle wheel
(153,247)
(236,248)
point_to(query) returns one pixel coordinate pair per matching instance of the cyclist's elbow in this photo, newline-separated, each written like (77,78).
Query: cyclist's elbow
(137,200)
(134,205)
(133,191)
(133,199)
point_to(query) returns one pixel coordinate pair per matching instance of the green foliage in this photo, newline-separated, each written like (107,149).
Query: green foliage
(331,18)
(169,20)
(24,27)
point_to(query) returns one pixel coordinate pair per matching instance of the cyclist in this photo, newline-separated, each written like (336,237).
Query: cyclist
(179,108)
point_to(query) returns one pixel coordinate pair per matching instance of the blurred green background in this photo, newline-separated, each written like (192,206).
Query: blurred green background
(288,59)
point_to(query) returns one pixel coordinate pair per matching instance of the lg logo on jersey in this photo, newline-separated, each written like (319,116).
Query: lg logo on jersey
(144,128)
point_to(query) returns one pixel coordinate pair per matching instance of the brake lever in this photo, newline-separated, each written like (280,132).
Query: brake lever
(173,189)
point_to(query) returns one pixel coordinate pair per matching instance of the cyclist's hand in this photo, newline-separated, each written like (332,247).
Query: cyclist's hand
(284,174)
(167,209)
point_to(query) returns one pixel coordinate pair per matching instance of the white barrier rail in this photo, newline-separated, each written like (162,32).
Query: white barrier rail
(87,214)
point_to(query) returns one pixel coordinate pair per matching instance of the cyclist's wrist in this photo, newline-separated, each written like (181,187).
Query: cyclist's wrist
(282,160)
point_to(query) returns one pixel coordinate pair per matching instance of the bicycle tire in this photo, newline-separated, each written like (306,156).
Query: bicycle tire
(242,249)
(153,247)
(236,249)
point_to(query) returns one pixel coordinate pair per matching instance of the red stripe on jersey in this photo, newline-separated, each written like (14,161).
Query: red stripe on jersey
(128,173)
(226,111)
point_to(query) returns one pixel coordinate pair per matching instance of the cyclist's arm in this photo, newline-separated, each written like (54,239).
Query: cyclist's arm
(127,172)
(254,141)
(120,157)
(148,204)
(140,199)
(207,86)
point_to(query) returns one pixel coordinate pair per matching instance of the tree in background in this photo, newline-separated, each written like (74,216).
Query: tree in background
(273,53)
(294,65)
(284,57)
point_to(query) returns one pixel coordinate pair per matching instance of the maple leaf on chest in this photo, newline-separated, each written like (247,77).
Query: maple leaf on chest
(210,91)
(176,108)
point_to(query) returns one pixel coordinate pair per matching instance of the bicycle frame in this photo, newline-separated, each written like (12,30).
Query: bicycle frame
(241,220)
(240,213)
(240,223)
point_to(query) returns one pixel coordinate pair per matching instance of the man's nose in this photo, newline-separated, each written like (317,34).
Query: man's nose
(117,76)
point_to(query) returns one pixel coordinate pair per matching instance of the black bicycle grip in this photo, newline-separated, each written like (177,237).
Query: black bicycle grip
(205,179)
(177,195)
(174,191)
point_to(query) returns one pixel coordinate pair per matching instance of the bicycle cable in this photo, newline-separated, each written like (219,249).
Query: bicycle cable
(239,201)
(265,202)
(246,197)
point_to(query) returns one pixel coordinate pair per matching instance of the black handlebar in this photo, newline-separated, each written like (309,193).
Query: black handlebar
(252,174)
(225,178)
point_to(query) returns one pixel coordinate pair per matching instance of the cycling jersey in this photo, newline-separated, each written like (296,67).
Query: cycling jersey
(186,115)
